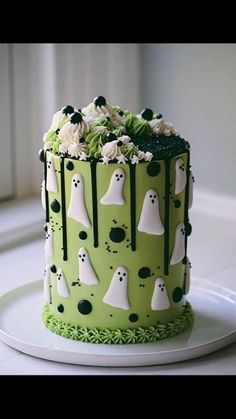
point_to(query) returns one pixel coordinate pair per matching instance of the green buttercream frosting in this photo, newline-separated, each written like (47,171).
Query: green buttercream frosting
(118,336)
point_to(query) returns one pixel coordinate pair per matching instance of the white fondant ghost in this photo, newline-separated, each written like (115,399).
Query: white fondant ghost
(180,176)
(62,287)
(150,220)
(87,274)
(77,208)
(49,246)
(46,284)
(51,183)
(190,190)
(179,246)
(117,293)
(160,300)
(187,277)
(114,194)
(43,195)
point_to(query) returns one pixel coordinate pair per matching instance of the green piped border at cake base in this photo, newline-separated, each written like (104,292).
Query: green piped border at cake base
(118,336)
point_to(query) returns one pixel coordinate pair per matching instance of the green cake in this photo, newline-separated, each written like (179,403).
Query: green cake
(117,189)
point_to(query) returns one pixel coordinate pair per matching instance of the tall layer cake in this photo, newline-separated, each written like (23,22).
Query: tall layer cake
(117,189)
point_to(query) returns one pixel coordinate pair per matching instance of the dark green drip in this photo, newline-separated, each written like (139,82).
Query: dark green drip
(186,218)
(132,168)
(63,210)
(93,166)
(167,215)
(46,192)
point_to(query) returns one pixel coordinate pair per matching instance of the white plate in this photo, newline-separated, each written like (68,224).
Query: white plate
(214,327)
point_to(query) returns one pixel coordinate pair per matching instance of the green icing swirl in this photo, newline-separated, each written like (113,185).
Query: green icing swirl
(94,144)
(136,126)
(118,336)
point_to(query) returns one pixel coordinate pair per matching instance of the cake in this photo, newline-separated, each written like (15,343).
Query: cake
(117,190)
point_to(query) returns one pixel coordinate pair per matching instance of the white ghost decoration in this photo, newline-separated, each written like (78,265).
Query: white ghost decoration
(179,246)
(49,246)
(87,274)
(114,194)
(51,183)
(77,208)
(180,176)
(117,293)
(62,287)
(43,195)
(46,284)
(190,190)
(160,300)
(187,277)
(150,220)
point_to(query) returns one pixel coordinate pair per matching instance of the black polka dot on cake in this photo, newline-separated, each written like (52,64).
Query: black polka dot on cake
(70,165)
(83,235)
(144,272)
(60,308)
(99,101)
(177,203)
(177,294)
(188,229)
(153,168)
(133,317)
(84,307)
(55,206)
(41,155)
(117,234)
(53,269)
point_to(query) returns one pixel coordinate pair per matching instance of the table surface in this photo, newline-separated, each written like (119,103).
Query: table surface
(212,253)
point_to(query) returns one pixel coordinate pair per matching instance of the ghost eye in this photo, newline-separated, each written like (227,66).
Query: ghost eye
(150,196)
(74,180)
(83,256)
(79,256)
(118,273)
(117,175)
(159,285)
(121,175)
(124,274)
(154,196)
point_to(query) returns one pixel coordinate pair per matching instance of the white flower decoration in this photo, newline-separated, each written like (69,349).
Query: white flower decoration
(83,156)
(75,149)
(47,146)
(121,159)
(135,159)
(148,156)
(125,139)
(105,160)
(111,150)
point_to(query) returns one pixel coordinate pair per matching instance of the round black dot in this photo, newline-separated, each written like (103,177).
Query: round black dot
(41,155)
(84,307)
(117,234)
(55,206)
(188,229)
(133,317)
(60,308)
(111,267)
(111,137)
(67,110)
(177,203)
(82,140)
(53,269)
(121,113)
(76,118)
(99,101)
(110,315)
(91,295)
(147,114)
(83,235)
(144,272)
(177,294)
(45,227)
(153,168)
(70,165)
(148,315)
(120,143)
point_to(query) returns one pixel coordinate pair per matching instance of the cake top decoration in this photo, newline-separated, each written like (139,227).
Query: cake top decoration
(107,133)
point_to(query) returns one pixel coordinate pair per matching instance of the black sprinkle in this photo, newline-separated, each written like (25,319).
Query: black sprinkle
(162,146)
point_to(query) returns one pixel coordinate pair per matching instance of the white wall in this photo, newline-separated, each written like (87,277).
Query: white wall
(194,87)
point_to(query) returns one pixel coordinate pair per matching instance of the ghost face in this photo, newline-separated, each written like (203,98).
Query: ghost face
(51,184)
(87,274)
(48,247)
(77,181)
(62,287)
(160,300)
(150,220)
(114,194)
(117,293)
(180,176)
(179,245)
